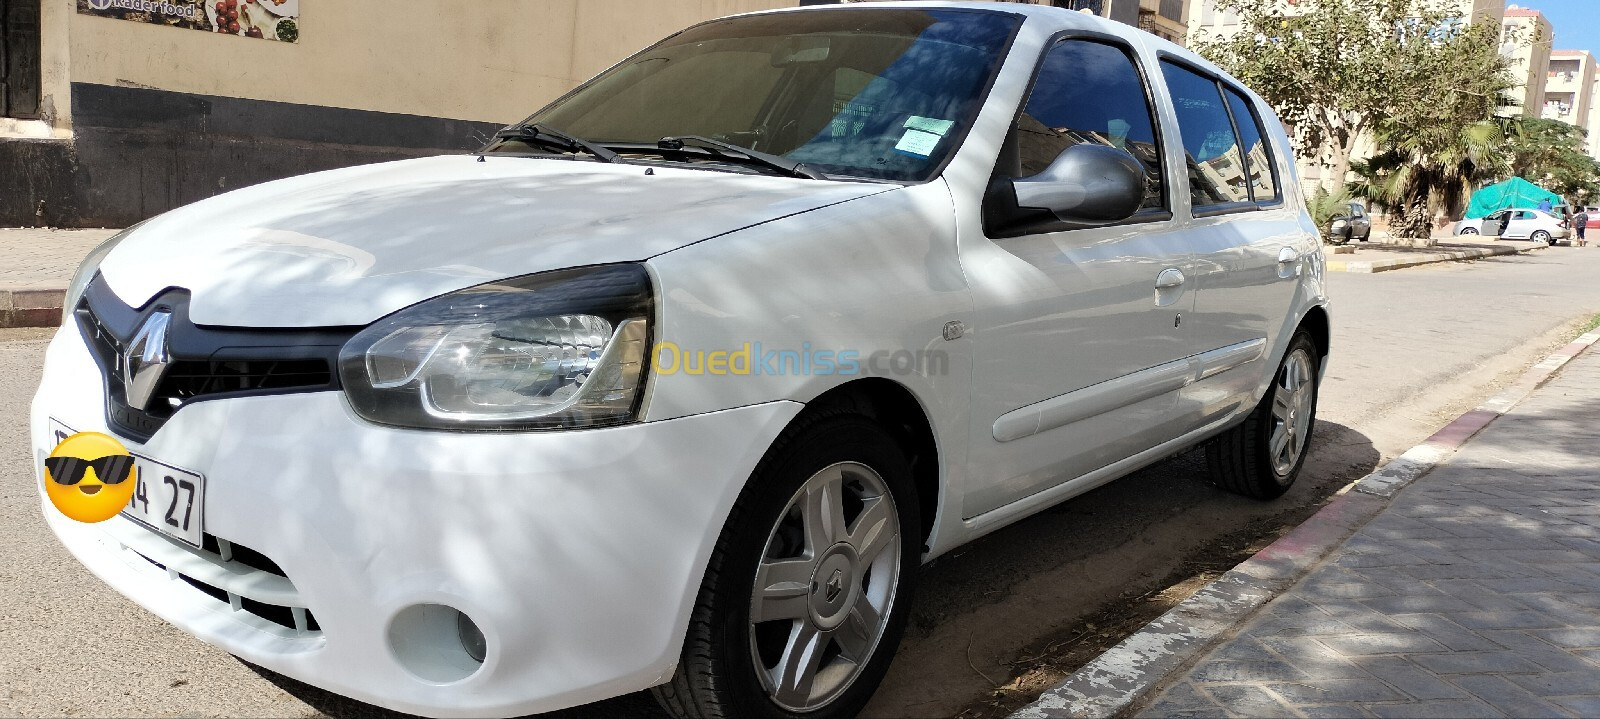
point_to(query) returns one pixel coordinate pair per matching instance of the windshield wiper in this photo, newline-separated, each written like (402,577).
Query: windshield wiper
(744,155)
(550,137)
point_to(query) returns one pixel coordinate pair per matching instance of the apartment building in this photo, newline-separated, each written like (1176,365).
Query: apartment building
(1525,40)
(1163,18)
(1569,87)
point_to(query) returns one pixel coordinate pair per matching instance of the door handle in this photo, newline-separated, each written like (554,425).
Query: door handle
(1287,255)
(1169,278)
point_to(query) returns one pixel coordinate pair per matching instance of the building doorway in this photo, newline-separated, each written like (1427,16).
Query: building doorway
(19,59)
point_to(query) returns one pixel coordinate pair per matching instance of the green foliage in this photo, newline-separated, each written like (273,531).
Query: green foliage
(1324,206)
(1550,153)
(1424,84)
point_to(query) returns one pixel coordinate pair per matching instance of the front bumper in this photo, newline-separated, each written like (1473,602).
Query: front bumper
(579,554)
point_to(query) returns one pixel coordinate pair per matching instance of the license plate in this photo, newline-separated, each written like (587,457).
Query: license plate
(166,499)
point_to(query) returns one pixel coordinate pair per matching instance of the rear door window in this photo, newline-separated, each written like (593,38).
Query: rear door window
(1217,170)
(1258,161)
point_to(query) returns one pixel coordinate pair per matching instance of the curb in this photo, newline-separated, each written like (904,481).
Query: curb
(31,308)
(1132,670)
(1452,256)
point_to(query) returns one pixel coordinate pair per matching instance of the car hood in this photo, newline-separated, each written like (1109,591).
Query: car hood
(346,247)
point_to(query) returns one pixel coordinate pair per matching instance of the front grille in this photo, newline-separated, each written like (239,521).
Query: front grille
(206,363)
(192,379)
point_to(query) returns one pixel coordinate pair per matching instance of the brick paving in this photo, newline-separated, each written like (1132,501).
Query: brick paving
(1476,593)
(43,258)
(36,265)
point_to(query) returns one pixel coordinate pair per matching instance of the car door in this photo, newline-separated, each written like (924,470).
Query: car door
(1360,222)
(1251,247)
(1522,225)
(1078,351)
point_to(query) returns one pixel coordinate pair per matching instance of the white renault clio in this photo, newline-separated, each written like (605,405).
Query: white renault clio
(677,382)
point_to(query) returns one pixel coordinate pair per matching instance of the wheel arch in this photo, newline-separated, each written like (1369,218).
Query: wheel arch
(899,411)
(1315,323)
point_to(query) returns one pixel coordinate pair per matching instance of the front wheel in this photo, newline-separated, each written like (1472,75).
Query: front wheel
(1469,230)
(810,584)
(1262,457)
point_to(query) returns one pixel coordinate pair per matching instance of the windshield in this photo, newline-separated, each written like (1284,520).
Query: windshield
(876,93)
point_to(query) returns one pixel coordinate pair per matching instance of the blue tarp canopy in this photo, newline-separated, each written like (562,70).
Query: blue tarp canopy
(1515,192)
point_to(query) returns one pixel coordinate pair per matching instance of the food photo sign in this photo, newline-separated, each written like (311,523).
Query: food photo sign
(265,19)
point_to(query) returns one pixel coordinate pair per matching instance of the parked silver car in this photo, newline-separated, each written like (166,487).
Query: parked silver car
(1519,224)
(1351,223)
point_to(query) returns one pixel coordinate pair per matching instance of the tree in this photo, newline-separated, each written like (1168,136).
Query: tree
(1442,137)
(1550,153)
(1336,70)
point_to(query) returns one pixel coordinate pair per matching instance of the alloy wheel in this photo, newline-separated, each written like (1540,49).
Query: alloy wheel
(1292,396)
(825,586)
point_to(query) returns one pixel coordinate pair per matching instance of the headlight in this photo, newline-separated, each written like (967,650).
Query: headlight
(87,269)
(560,349)
(1340,224)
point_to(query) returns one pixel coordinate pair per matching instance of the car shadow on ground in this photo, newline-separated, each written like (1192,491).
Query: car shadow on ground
(998,612)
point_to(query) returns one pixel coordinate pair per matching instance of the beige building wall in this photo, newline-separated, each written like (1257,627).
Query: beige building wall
(1569,87)
(486,60)
(1593,121)
(1525,40)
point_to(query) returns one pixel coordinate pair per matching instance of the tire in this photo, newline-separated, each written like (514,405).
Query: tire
(731,666)
(1542,236)
(1469,230)
(1244,460)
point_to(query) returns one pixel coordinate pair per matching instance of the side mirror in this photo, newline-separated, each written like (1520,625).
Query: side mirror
(1087,184)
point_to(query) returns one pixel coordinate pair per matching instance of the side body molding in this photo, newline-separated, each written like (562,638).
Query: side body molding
(1095,400)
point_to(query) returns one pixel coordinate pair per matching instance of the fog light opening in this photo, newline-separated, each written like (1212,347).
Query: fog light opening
(437,643)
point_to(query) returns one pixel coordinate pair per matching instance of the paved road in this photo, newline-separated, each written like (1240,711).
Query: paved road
(1410,347)
(1475,594)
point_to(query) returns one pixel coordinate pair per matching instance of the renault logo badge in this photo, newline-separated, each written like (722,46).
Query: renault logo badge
(146,359)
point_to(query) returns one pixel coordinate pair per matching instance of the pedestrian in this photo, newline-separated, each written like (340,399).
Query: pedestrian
(1580,223)
(1546,205)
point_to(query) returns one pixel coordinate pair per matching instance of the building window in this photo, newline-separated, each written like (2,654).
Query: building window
(19,59)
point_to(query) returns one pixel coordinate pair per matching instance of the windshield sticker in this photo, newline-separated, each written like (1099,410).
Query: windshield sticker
(918,143)
(928,124)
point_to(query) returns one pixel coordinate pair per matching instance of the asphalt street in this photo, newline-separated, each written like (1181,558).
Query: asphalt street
(1411,349)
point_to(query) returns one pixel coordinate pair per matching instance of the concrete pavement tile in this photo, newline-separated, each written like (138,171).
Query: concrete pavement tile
(1538,651)
(1314,658)
(1502,662)
(1247,701)
(1374,644)
(1231,671)
(1436,710)
(1183,701)
(1434,603)
(1325,691)
(1506,620)
(1243,649)
(1504,695)
(1581,706)
(1409,678)
(1334,711)
(1474,594)
(1448,633)
(1572,638)
(1567,684)
(1527,585)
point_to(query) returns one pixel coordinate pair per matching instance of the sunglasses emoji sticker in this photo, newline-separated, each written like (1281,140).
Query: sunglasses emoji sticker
(90,477)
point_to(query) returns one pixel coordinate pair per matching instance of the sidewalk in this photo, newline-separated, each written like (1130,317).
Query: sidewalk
(1476,592)
(36,265)
(1378,257)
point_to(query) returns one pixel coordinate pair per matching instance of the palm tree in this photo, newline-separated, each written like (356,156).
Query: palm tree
(1432,171)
